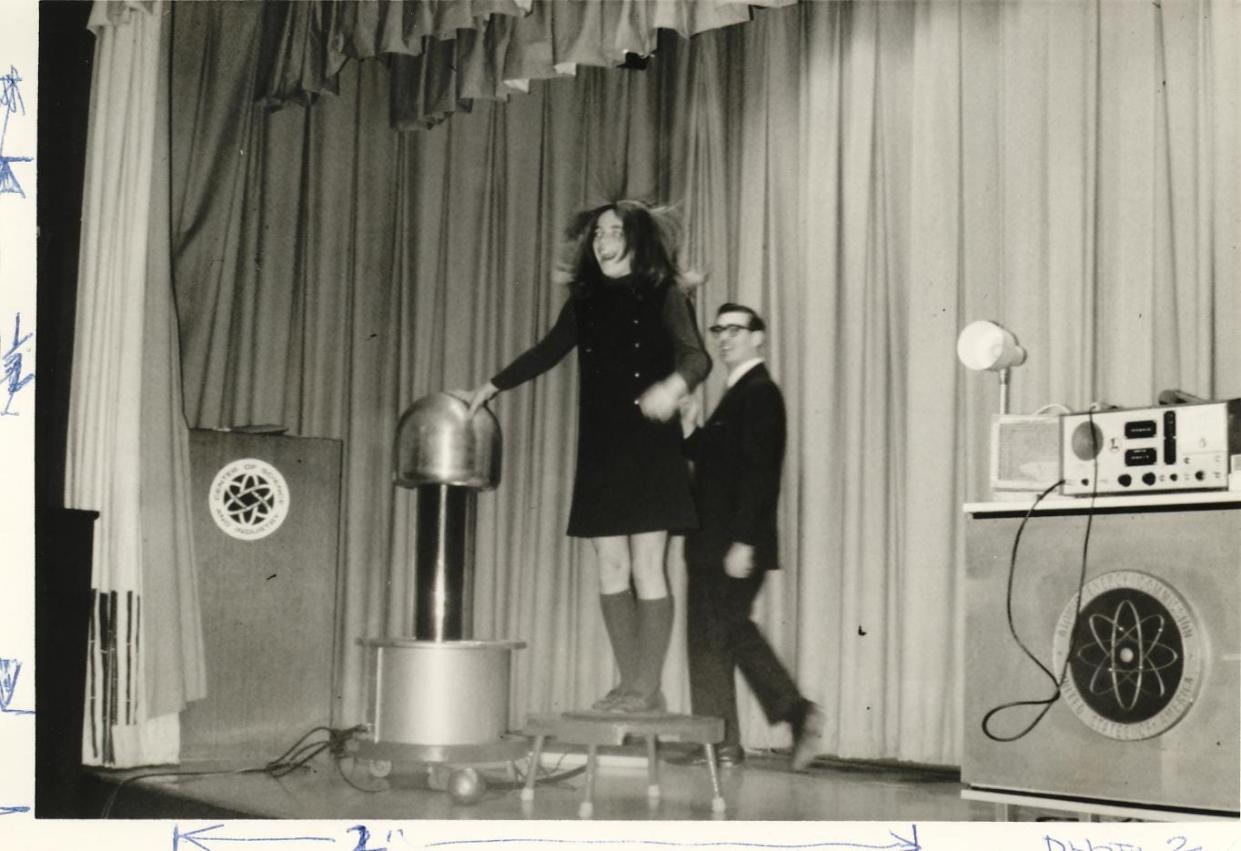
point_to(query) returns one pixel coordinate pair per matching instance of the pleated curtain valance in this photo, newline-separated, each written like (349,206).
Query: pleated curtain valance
(444,54)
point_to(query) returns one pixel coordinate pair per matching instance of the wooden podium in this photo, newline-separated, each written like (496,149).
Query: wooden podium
(266,537)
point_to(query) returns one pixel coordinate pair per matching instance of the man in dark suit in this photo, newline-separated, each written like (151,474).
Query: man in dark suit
(737,455)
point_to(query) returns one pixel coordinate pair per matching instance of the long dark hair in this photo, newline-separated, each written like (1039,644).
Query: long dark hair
(651,237)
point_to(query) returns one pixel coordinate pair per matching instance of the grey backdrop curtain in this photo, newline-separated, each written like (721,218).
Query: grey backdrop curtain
(870,176)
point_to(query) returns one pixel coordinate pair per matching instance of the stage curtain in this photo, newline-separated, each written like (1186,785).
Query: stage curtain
(446,55)
(331,271)
(870,176)
(128,449)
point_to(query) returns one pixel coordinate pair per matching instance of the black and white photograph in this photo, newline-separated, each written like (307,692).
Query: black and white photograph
(607,412)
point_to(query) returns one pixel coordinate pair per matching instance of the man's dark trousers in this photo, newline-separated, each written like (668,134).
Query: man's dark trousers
(722,638)
(738,454)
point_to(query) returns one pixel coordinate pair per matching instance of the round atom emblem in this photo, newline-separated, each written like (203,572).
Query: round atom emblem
(249,499)
(1135,661)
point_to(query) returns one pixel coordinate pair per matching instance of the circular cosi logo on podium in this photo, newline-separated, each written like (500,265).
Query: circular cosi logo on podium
(249,499)
(1136,660)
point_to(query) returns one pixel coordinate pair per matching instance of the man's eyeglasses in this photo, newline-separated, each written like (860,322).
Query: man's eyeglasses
(718,331)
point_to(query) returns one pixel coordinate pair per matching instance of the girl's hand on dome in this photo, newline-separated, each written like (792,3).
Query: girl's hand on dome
(481,395)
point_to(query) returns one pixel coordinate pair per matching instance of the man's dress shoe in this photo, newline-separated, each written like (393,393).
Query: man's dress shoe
(808,736)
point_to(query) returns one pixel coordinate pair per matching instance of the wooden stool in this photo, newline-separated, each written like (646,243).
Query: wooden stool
(593,729)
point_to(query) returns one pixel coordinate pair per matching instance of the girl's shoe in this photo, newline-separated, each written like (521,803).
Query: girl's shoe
(632,703)
(607,703)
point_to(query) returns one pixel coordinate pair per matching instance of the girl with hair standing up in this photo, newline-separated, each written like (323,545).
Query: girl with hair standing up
(639,354)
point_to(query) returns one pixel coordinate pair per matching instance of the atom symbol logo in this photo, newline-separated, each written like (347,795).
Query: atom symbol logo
(1127,656)
(1133,654)
(249,499)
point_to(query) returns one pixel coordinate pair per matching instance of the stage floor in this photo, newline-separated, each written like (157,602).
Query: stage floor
(761,790)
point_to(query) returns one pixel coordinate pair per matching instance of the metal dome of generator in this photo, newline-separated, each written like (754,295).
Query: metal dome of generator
(438,698)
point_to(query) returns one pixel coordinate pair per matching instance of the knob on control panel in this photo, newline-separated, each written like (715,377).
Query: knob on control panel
(1087,440)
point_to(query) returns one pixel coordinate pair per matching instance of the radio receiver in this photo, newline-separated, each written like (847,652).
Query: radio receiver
(1025,453)
(1170,448)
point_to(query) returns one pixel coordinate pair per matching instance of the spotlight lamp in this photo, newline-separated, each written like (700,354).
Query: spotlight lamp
(989,347)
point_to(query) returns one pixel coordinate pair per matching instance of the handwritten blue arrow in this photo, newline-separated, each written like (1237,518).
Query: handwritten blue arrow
(900,843)
(194,836)
(8,811)
(10,669)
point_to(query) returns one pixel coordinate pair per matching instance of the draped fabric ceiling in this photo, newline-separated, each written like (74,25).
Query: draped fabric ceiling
(869,176)
(444,55)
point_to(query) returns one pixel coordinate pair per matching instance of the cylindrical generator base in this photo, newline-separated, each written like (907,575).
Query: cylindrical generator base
(439,692)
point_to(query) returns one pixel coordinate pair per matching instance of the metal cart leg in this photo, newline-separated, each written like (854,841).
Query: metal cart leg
(717,800)
(587,807)
(652,771)
(532,772)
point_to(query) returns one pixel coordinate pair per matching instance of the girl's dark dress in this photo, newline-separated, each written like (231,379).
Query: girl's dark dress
(631,475)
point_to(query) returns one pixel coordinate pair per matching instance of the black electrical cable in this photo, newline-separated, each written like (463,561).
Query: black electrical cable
(299,759)
(298,755)
(293,747)
(1057,681)
(550,776)
(1046,703)
(383,787)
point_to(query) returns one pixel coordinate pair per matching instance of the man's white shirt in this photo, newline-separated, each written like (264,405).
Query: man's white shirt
(741,369)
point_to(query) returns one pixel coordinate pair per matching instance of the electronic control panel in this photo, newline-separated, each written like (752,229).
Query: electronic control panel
(1142,450)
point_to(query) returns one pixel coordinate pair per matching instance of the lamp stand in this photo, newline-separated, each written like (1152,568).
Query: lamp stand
(1003,391)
